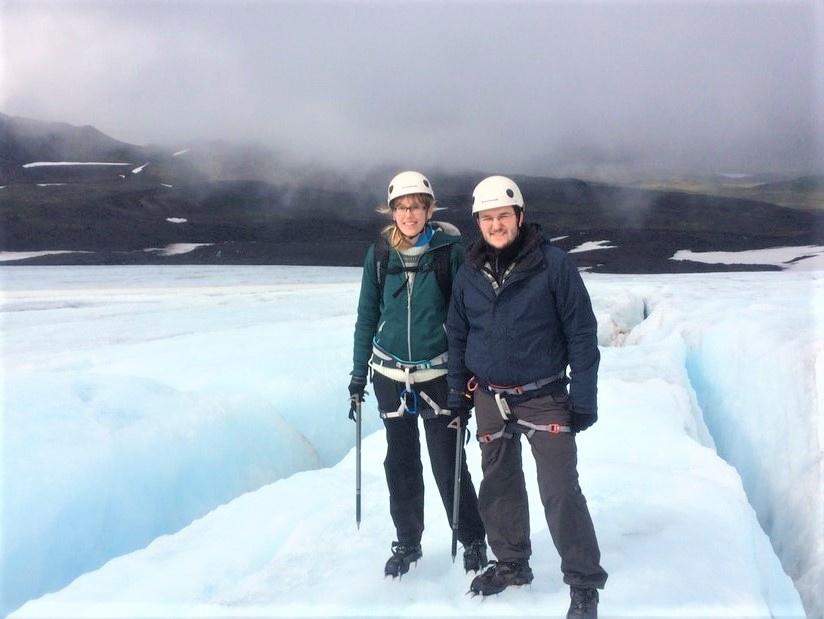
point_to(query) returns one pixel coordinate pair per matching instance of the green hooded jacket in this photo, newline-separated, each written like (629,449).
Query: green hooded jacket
(411,328)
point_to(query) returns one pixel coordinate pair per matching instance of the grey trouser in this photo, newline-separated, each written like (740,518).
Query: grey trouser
(502,498)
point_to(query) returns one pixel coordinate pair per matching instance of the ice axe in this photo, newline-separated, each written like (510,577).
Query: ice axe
(355,413)
(456,493)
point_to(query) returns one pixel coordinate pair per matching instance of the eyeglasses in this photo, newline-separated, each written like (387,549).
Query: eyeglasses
(415,208)
(503,217)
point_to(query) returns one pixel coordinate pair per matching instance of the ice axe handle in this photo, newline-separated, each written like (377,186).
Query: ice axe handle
(456,494)
(357,404)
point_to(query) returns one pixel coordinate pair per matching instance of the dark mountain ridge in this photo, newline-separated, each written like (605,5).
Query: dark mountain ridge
(248,208)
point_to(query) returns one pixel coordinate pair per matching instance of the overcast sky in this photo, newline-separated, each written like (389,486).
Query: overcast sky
(539,87)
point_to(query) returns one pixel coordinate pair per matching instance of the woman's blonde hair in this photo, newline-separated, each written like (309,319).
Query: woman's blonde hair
(393,235)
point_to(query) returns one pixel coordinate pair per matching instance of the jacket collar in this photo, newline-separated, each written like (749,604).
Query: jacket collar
(477,254)
(445,234)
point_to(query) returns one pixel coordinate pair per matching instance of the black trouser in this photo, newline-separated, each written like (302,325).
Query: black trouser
(503,499)
(404,471)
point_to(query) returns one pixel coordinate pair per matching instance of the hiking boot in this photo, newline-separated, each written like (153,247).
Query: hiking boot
(499,575)
(584,604)
(402,556)
(475,556)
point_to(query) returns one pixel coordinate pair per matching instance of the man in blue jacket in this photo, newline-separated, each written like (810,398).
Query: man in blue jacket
(519,315)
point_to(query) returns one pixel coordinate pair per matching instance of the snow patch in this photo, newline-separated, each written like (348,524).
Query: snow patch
(177,220)
(50,184)
(591,246)
(167,185)
(175,249)
(559,238)
(8,256)
(139,169)
(38,164)
(180,152)
(806,257)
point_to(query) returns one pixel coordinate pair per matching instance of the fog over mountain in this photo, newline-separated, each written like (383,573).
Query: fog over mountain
(538,88)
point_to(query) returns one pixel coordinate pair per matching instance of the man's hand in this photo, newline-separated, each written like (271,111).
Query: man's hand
(579,422)
(457,400)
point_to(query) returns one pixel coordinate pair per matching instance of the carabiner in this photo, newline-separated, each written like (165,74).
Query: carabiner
(410,401)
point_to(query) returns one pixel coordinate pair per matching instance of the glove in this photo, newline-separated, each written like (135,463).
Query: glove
(578,422)
(357,390)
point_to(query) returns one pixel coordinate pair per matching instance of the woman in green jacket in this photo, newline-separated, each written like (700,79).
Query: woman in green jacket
(400,340)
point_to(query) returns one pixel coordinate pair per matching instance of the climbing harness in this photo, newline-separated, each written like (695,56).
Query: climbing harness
(409,402)
(384,359)
(409,396)
(519,389)
(513,425)
(519,426)
(499,392)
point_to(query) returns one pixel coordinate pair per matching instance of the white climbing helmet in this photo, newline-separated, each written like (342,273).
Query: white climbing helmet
(495,191)
(407,183)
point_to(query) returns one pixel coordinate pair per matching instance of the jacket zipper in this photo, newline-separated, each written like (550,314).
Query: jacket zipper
(408,310)
(409,285)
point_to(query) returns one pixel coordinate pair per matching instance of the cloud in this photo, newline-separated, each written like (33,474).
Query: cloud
(531,87)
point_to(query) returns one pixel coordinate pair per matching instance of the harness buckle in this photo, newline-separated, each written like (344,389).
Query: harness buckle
(554,428)
(472,384)
(506,389)
(485,438)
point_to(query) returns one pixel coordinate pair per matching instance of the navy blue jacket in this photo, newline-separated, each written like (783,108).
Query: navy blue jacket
(539,322)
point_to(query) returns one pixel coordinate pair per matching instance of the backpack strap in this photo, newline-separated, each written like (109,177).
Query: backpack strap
(441,264)
(443,270)
(381,262)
